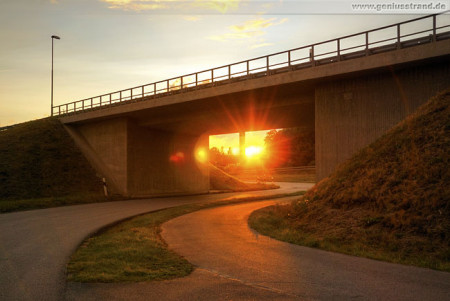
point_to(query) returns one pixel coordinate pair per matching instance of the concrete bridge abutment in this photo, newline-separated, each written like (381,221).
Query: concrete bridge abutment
(138,161)
(353,112)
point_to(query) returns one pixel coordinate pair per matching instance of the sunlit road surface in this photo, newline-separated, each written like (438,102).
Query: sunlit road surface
(36,245)
(218,241)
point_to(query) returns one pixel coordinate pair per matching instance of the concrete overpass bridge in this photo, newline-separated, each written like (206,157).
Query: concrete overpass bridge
(152,139)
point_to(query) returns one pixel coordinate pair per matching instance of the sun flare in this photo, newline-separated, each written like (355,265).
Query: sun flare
(253,151)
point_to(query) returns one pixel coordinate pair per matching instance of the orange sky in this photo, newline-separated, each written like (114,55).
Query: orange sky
(232,140)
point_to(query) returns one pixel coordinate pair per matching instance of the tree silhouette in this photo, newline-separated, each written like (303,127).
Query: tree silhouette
(289,147)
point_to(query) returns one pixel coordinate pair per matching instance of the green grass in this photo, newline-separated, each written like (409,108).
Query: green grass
(39,163)
(390,201)
(134,251)
(41,203)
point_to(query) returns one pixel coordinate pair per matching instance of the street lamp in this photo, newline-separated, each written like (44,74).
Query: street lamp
(51,107)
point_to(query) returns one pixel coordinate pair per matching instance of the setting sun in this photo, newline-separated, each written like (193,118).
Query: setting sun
(253,151)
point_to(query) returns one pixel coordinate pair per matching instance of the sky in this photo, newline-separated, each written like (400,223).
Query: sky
(252,139)
(108,45)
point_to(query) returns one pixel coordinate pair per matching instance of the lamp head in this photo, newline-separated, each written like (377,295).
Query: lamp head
(56,37)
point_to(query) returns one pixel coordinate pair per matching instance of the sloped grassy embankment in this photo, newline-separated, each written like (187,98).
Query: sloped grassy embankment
(220,180)
(40,166)
(391,201)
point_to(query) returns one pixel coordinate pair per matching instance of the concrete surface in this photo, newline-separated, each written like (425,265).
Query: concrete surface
(36,245)
(354,112)
(141,162)
(219,241)
(200,285)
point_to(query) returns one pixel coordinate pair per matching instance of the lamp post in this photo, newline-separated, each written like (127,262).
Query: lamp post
(51,106)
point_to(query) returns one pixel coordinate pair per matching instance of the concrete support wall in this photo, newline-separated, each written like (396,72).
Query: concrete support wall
(104,144)
(162,163)
(139,162)
(352,113)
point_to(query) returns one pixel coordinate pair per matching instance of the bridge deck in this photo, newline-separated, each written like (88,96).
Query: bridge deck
(309,56)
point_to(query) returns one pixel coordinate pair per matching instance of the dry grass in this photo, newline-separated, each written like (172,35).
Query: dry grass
(390,201)
(220,180)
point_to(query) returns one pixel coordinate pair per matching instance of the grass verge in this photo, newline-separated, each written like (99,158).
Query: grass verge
(49,202)
(134,251)
(277,222)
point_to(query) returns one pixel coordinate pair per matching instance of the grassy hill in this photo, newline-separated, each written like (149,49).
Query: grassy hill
(391,201)
(39,161)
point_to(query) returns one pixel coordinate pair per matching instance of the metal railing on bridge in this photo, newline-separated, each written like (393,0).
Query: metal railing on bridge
(428,29)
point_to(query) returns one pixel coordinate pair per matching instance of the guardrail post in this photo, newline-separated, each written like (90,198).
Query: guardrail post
(154,88)
(229,71)
(196,79)
(248,67)
(110,98)
(367,43)
(131,94)
(212,75)
(67,108)
(82,104)
(267,64)
(289,58)
(434,28)
(311,55)
(181,85)
(59,110)
(142,91)
(120,96)
(168,86)
(398,36)
(338,49)
(92,102)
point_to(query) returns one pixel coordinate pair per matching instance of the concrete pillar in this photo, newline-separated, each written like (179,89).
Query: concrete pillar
(140,162)
(352,113)
(242,146)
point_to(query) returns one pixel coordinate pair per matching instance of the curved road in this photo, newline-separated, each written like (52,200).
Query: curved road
(36,245)
(218,241)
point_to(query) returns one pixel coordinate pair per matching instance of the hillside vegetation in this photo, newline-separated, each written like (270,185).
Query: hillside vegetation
(390,201)
(39,160)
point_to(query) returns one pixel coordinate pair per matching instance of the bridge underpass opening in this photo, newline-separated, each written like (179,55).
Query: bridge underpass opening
(278,154)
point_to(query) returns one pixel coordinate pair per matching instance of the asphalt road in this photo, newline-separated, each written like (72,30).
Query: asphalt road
(219,242)
(36,245)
